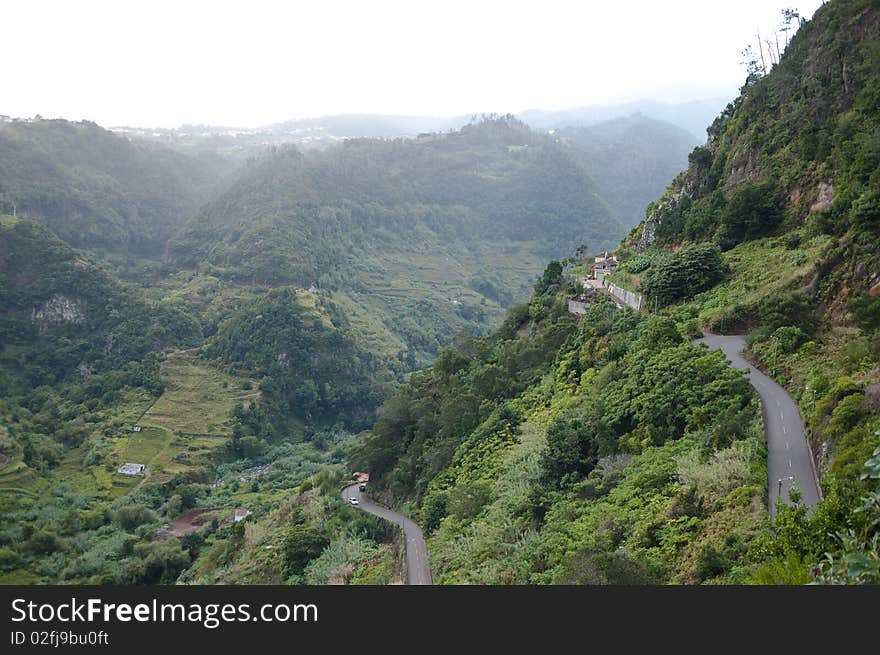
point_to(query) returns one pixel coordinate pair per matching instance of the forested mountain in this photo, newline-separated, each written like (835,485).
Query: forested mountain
(492,181)
(98,190)
(691,116)
(293,303)
(94,374)
(63,317)
(613,451)
(310,367)
(428,236)
(222,371)
(631,159)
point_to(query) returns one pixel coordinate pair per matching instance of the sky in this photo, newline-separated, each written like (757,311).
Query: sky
(252,62)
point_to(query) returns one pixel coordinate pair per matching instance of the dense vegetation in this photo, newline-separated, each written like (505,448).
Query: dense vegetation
(85,358)
(430,236)
(605,449)
(786,187)
(310,368)
(627,455)
(97,190)
(608,450)
(63,318)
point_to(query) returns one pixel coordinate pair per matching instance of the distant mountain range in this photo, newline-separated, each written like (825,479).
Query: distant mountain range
(692,116)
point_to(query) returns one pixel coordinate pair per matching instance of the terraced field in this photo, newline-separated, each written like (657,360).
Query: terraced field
(179,432)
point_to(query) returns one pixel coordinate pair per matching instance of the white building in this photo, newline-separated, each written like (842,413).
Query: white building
(131,468)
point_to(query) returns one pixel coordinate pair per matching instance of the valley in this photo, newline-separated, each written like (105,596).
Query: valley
(205,332)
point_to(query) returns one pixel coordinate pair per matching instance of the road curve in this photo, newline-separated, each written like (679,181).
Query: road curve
(788,454)
(417,571)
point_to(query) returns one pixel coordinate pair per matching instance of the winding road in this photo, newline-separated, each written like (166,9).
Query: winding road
(788,455)
(417,571)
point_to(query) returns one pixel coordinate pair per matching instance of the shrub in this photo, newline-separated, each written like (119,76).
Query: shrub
(710,563)
(467,499)
(682,275)
(42,542)
(302,543)
(9,559)
(866,310)
(785,308)
(788,338)
(571,452)
(792,240)
(754,210)
(131,516)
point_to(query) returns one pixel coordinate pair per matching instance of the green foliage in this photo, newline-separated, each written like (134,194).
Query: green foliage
(866,309)
(681,275)
(659,397)
(500,494)
(129,517)
(468,499)
(639,263)
(787,309)
(156,562)
(61,316)
(872,466)
(789,338)
(572,451)
(754,210)
(309,365)
(303,542)
(602,568)
(98,190)
(461,401)
(550,280)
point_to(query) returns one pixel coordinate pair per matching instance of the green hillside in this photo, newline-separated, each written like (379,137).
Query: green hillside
(63,317)
(98,190)
(611,450)
(787,188)
(430,236)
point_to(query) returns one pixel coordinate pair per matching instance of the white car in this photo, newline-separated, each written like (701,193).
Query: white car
(353,501)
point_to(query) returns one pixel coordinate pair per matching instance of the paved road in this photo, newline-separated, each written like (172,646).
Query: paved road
(417,571)
(788,454)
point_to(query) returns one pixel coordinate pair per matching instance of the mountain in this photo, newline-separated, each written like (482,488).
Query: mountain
(631,159)
(430,235)
(692,116)
(64,318)
(299,345)
(95,374)
(609,449)
(98,190)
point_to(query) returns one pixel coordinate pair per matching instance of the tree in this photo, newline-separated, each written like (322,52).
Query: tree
(552,277)
(302,543)
(754,210)
(571,453)
(681,275)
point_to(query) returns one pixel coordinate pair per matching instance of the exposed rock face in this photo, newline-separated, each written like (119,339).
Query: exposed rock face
(649,230)
(872,395)
(744,168)
(655,218)
(824,198)
(58,310)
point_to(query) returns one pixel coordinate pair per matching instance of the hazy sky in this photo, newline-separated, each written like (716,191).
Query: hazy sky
(253,62)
